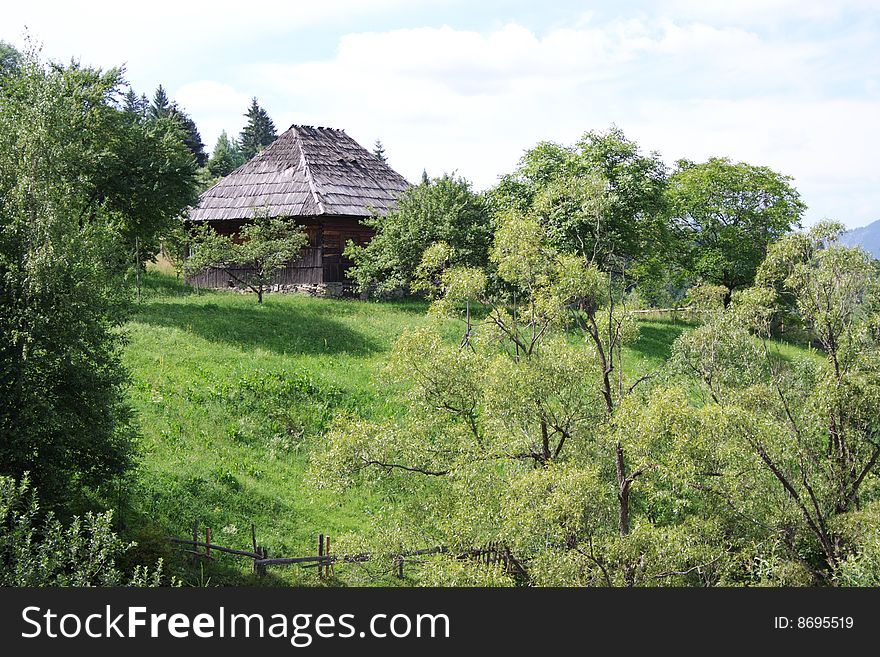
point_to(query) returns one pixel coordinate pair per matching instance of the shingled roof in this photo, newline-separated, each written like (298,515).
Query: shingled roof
(306,171)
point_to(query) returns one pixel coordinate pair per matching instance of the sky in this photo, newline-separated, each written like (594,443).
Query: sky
(468,85)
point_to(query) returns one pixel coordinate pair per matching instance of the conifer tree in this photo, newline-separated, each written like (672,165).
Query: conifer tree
(226,156)
(258,133)
(191,136)
(160,106)
(135,105)
(379,151)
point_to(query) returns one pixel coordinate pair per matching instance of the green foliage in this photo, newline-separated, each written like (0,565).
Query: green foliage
(141,110)
(728,214)
(226,156)
(803,434)
(160,107)
(860,533)
(444,210)
(601,199)
(258,132)
(379,151)
(263,248)
(80,184)
(9,58)
(512,426)
(191,137)
(732,465)
(36,549)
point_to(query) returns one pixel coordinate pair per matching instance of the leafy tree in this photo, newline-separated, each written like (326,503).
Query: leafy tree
(513,437)
(9,58)
(601,198)
(80,185)
(731,465)
(379,151)
(262,249)
(258,133)
(140,109)
(226,156)
(445,209)
(802,436)
(729,214)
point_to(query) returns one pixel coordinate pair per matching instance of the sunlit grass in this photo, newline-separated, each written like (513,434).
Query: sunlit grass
(232,397)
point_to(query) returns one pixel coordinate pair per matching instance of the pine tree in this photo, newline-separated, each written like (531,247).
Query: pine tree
(191,136)
(379,151)
(135,105)
(425,179)
(160,105)
(258,133)
(226,156)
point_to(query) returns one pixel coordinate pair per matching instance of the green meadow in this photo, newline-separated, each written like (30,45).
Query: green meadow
(230,398)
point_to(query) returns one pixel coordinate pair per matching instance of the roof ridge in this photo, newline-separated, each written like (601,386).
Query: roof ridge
(307,170)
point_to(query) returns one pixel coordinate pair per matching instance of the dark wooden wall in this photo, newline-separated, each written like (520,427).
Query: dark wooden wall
(320,262)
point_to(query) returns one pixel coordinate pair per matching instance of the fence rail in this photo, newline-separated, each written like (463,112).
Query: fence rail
(491,553)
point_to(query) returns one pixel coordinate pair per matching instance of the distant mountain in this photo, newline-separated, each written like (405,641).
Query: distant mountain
(867,237)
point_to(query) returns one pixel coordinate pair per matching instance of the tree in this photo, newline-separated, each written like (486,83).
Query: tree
(444,210)
(258,133)
(513,437)
(803,436)
(136,106)
(729,214)
(81,185)
(379,151)
(161,106)
(601,198)
(191,137)
(9,58)
(263,248)
(226,156)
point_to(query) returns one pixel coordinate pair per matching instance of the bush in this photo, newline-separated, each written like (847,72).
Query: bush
(36,549)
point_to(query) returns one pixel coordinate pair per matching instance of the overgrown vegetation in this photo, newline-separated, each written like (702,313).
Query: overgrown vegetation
(520,400)
(83,188)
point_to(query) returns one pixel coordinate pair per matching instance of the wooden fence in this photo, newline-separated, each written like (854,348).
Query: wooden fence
(490,554)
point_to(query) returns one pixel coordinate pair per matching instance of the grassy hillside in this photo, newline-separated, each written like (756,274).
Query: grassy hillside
(231,398)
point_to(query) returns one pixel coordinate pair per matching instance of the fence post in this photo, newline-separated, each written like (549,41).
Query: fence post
(320,554)
(328,571)
(260,569)
(207,541)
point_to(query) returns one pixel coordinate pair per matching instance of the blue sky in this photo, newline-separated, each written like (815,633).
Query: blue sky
(468,85)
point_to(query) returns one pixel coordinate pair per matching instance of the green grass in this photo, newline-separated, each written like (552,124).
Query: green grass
(231,398)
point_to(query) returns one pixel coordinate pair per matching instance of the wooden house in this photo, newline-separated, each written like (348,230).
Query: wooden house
(319,177)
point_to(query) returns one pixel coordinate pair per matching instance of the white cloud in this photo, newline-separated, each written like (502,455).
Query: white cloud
(157,38)
(446,99)
(215,104)
(694,79)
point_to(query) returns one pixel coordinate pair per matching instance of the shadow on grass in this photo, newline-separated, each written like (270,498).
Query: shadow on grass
(282,329)
(657,337)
